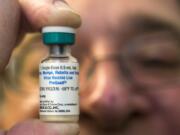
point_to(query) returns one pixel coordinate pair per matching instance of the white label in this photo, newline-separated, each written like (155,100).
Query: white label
(59,89)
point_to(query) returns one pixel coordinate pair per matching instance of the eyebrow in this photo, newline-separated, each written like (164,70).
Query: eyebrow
(149,24)
(178,3)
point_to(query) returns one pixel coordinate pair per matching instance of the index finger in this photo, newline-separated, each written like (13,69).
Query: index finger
(49,12)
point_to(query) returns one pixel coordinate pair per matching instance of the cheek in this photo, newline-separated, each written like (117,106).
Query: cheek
(167,101)
(170,97)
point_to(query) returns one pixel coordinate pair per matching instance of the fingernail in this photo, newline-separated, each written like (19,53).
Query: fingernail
(61,4)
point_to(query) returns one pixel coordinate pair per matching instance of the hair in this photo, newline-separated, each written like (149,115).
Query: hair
(178,3)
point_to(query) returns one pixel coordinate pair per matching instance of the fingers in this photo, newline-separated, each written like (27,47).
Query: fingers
(35,127)
(49,12)
(9,29)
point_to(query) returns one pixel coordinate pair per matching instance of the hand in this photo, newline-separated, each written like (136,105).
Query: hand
(19,17)
(35,127)
(31,16)
(48,12)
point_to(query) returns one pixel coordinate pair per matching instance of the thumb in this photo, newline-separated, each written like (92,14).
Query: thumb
(41,13)
(36,127)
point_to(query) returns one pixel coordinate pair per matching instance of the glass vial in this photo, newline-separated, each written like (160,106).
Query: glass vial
(58,74)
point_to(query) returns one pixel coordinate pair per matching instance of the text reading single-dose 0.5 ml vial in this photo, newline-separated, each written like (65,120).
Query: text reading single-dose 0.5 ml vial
(59,87)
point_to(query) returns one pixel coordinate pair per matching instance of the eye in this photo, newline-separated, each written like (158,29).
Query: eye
(159,63)
(158,50)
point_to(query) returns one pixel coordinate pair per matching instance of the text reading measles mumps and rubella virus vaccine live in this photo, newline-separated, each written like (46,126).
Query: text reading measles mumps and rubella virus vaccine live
(59,87)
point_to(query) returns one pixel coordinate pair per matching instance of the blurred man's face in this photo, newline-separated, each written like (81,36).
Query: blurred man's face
(130,67)
(129,55)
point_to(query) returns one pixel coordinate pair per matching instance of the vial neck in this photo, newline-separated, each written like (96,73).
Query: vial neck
(60,50)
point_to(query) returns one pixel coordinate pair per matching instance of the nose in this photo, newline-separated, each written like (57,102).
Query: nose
(107,98)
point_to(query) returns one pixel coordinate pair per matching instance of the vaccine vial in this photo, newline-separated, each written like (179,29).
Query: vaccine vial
(58,74)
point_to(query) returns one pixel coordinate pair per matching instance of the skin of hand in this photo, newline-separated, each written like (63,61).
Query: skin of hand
(31,16)
(28,16)
(36,127)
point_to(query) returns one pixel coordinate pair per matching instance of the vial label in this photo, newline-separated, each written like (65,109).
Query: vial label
(59,88)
